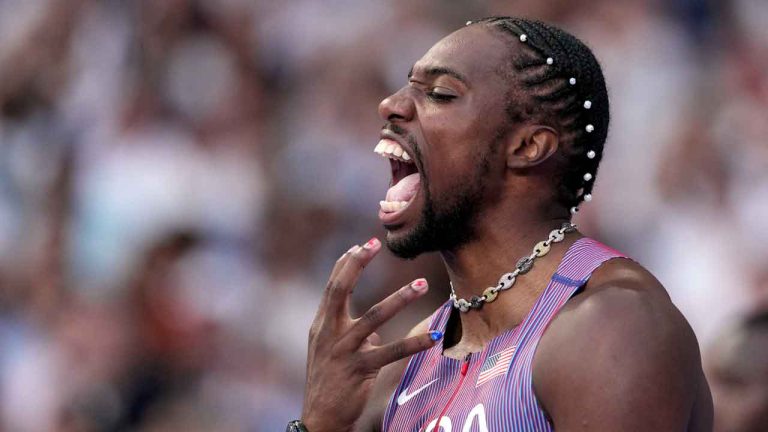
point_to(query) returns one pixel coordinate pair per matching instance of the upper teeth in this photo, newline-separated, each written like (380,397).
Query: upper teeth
(392,150)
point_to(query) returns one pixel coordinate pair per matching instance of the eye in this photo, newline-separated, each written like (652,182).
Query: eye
(439,95)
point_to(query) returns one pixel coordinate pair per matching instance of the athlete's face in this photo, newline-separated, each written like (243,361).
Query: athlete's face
(449,119)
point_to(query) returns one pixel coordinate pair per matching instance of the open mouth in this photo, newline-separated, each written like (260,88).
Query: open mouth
(405,178)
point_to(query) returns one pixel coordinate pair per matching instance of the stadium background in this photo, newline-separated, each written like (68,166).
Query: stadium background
(177,178)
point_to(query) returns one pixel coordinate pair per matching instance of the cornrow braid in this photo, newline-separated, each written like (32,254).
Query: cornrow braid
(563,85)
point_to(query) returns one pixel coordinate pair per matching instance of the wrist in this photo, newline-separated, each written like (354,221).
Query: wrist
(317,425)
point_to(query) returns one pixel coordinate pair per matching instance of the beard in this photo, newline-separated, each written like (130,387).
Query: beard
(447,227)
(447,221)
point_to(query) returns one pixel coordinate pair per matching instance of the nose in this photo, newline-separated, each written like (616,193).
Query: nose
(398,106)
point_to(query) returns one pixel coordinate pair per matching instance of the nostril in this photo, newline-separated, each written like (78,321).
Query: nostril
(386,108)
(397,106)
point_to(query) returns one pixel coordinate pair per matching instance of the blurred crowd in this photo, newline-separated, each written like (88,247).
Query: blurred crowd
(177,178)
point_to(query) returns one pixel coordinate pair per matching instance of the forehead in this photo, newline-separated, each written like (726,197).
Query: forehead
(476,52)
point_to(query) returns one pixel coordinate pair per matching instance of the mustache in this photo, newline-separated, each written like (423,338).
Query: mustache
(402,133)
(397,130)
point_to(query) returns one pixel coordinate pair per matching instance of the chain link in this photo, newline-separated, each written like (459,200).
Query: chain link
(507,280)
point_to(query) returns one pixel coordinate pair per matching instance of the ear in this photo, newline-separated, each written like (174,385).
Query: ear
(531,145)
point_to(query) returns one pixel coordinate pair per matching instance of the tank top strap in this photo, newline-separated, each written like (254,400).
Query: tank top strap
(440,317)
(582,258)
(576,267)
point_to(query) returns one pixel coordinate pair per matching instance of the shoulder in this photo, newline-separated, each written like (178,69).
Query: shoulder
(621,300)
(385,384)
(616,350)
(620,291)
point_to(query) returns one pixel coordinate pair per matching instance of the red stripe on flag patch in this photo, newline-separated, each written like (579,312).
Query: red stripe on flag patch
(495,365)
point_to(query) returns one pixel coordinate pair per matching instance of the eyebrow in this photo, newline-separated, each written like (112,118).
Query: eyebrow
(435,71)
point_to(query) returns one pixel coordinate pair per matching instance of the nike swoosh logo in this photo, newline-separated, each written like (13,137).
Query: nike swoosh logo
(405,397)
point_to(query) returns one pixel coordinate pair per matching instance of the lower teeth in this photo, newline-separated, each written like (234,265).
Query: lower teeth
(392,206)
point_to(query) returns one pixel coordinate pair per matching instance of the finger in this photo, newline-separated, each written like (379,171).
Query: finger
(383,311)
(372,341)
(340,262)
(328,286)
(379,357)
(341,286)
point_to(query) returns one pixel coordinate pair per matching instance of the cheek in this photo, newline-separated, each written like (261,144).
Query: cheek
(454,141)
(444,153)
(449,165)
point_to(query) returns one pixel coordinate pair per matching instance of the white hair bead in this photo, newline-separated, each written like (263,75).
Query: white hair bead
(591,154)
(523,38)
(468,22)
(550,60)
(574,210)
(587,177)
(587,104)
(590,128)
(572,81)
(588,197)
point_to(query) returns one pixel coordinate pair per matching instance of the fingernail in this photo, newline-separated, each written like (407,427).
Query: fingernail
(419,285)
(372,243)
(435,335)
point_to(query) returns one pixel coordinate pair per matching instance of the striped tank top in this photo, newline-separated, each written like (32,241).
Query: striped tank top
(490,390)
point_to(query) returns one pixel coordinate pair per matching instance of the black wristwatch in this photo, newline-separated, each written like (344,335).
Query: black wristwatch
(296,426)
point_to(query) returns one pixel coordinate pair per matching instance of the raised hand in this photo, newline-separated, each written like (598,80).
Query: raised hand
(345,354)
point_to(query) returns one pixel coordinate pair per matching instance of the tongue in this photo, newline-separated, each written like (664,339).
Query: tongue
(405,189)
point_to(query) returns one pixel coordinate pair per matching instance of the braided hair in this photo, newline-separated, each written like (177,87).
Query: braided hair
(563,86)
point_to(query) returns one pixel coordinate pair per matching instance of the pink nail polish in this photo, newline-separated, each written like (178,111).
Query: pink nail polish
(419,284)
(372,243)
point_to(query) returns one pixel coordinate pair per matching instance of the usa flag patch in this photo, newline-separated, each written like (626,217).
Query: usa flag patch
(495,365)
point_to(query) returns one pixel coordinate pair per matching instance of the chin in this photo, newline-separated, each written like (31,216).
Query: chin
(411,239)
(404,243)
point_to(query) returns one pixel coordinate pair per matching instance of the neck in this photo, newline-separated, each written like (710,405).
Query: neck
(480,263)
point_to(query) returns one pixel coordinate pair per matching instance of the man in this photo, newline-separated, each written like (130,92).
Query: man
(494,143)
(738,369)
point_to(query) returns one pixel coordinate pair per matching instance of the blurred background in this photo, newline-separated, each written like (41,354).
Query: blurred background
(177,178)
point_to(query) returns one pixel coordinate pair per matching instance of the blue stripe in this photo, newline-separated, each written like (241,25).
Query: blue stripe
(557,277)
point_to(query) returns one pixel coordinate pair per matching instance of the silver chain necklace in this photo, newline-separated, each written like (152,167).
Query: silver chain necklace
(524,265)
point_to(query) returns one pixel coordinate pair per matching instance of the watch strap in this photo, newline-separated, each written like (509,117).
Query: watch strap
(296,426)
